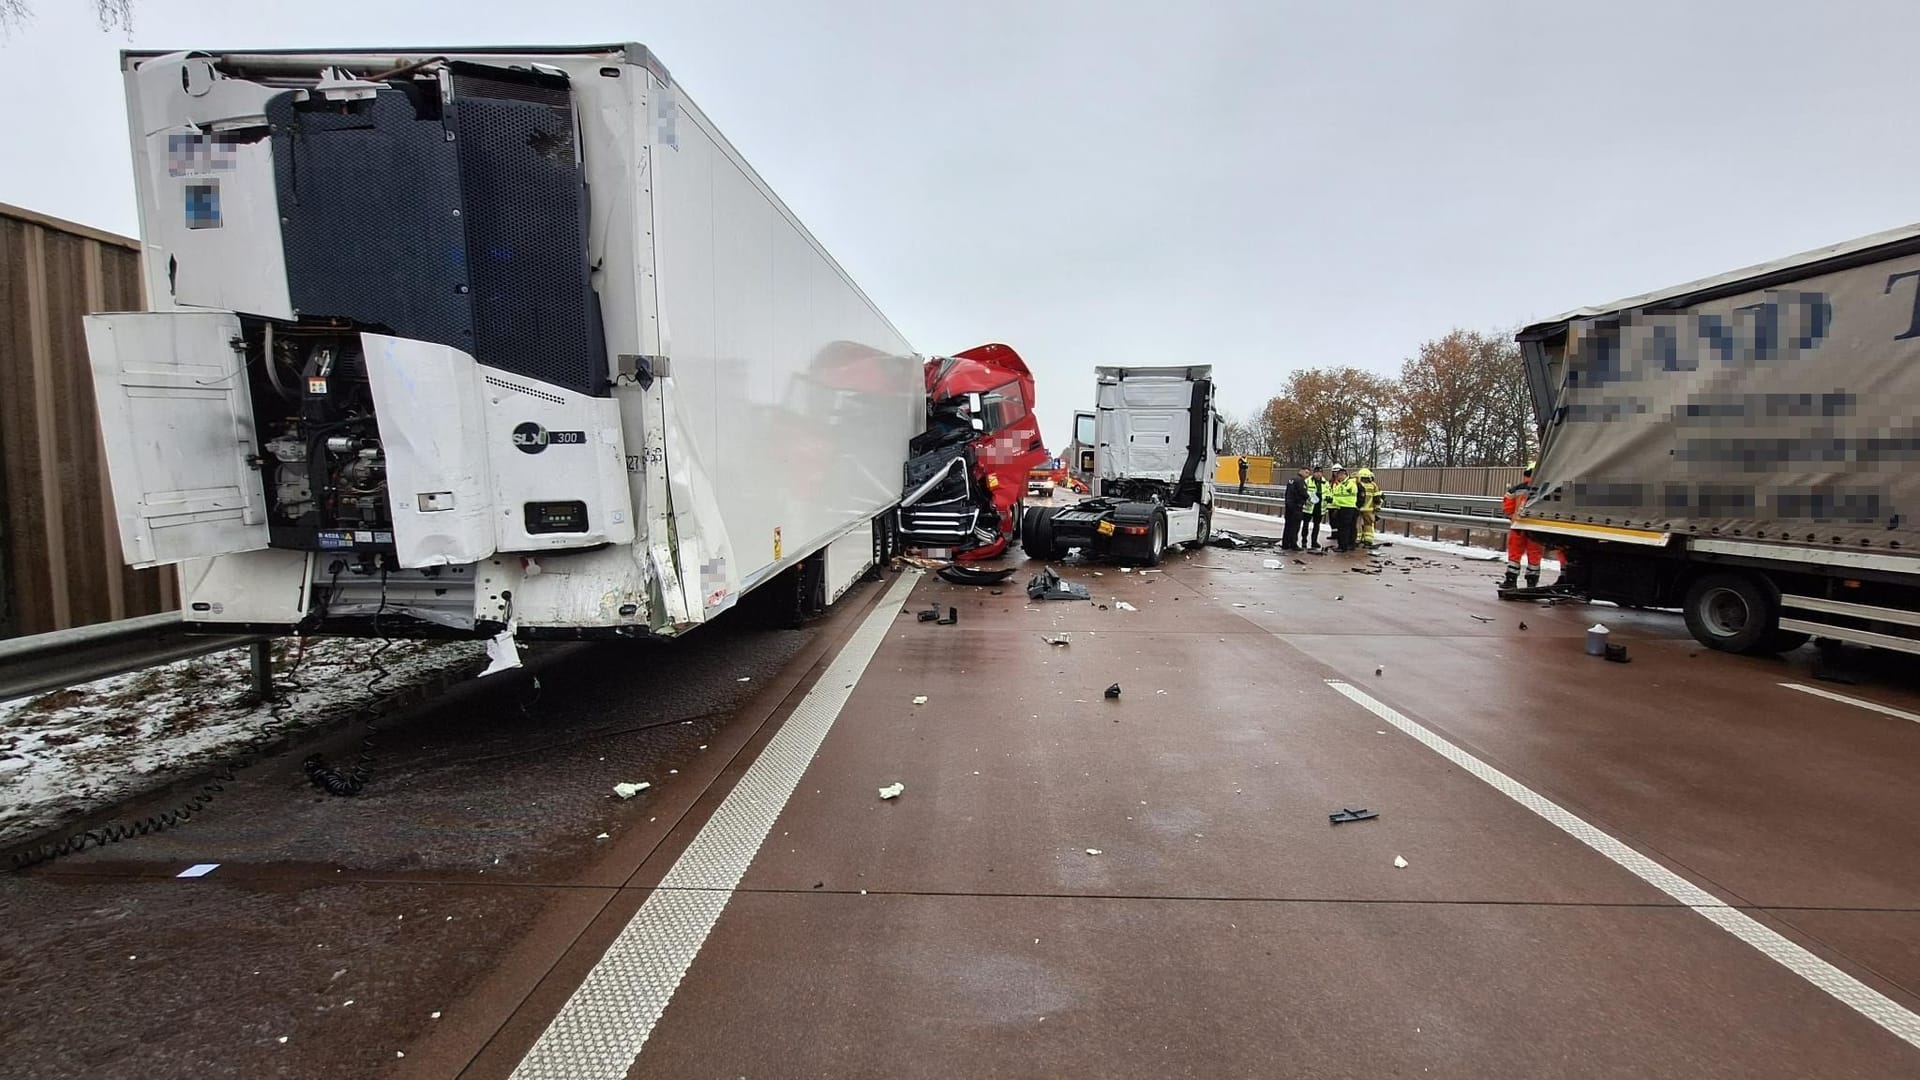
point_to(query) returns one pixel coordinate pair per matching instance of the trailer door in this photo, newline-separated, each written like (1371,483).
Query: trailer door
(177,423)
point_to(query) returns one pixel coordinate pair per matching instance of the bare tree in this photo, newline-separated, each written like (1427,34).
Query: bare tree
(1463,401)
(113,14)
(1329,415)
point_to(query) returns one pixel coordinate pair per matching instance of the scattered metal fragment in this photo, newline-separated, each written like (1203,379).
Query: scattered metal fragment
(1113,691)
(1345,816)
(1056,639)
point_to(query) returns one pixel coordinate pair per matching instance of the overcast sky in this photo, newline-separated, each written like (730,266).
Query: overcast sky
(1260,186)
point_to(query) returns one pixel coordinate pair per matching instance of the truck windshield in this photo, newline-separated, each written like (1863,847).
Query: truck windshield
(1003,406)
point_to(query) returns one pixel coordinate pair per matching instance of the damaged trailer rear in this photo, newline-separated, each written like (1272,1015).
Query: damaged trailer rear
(484,340)
(1743,448)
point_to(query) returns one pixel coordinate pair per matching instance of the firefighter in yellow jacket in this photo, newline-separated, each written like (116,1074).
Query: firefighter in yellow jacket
(1370,502)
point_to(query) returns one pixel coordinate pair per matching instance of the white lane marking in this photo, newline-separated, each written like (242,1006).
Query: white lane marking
(601,1029)
(1845,700)
(1850,991)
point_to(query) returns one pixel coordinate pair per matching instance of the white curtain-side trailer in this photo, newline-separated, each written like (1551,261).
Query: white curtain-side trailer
(476,341)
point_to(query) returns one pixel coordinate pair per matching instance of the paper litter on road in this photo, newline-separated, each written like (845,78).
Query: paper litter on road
(1399,862)
(1093,851)
(1124,606)
(893,790)
(502,653)
(920,700)
(628,791)
(1271,564)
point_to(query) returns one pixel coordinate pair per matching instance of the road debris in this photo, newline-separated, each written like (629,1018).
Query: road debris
(1270,564)
(1345,816)
(603,836)
(920,700)
(628,791)
(1618,654)
(1113,691)
(1124,606)
(1379,669)
(1399,862)
(1056,639)
(1093,851)
(893,790)
(1523,626)
(1047,585)
(967,575)
(1482,618)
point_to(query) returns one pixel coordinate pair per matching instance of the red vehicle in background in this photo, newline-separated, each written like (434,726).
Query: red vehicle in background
(965,477)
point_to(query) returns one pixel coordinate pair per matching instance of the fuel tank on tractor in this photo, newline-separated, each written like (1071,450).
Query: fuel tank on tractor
(965,476)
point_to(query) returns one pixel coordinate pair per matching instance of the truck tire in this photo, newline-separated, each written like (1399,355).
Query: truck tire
(1156,539)
(1206,529)
(1730,612)
(1036,532)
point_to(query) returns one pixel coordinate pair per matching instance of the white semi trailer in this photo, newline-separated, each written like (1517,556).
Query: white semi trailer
(478,340)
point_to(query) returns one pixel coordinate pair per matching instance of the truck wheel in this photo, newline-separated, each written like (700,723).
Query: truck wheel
(1206,529)
(1156,539)
(1036,532)
(1730,612)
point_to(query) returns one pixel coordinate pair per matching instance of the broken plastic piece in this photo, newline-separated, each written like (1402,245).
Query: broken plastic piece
(964,575)
(953,616)
(1271,564)
(893,790)
(1056,639)
(1345,816)
(1046,585)
(921,700)
(1618,654)
(1399,862)
(628,791)
(1093,851)
(928,615)
(502,653)
(1124,606)
(1113,691)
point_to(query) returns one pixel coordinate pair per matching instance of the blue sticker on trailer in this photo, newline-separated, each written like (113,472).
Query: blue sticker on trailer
(203,205)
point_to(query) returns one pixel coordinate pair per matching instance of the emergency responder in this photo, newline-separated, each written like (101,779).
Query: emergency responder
(1370,497)
(1316,506)
(1343,500)
(1518,543)
(1243,474)
(1295,510)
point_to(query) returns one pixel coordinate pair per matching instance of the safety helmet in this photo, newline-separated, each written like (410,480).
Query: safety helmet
(1364,473)
(1339,468)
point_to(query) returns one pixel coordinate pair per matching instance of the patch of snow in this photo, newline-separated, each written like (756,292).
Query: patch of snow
(76,751)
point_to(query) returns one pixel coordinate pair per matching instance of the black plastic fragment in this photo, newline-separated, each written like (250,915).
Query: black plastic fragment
(1113,691)
(1345,816)
(967,575)
(1046,585)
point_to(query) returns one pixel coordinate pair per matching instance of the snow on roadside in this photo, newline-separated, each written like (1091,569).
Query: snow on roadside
(72,752)
(1476,554)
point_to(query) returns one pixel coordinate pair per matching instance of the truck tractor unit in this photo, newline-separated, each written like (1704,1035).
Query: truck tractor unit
(1155,440)
(962,487)
(479,341)
(1742,448)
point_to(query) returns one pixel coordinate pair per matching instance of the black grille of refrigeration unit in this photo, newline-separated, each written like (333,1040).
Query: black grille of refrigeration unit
(462,223)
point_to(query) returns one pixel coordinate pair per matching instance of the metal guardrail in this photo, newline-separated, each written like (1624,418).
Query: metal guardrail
(1427,508)
(43,662)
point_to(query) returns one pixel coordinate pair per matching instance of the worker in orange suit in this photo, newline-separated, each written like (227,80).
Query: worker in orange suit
(1519,544)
